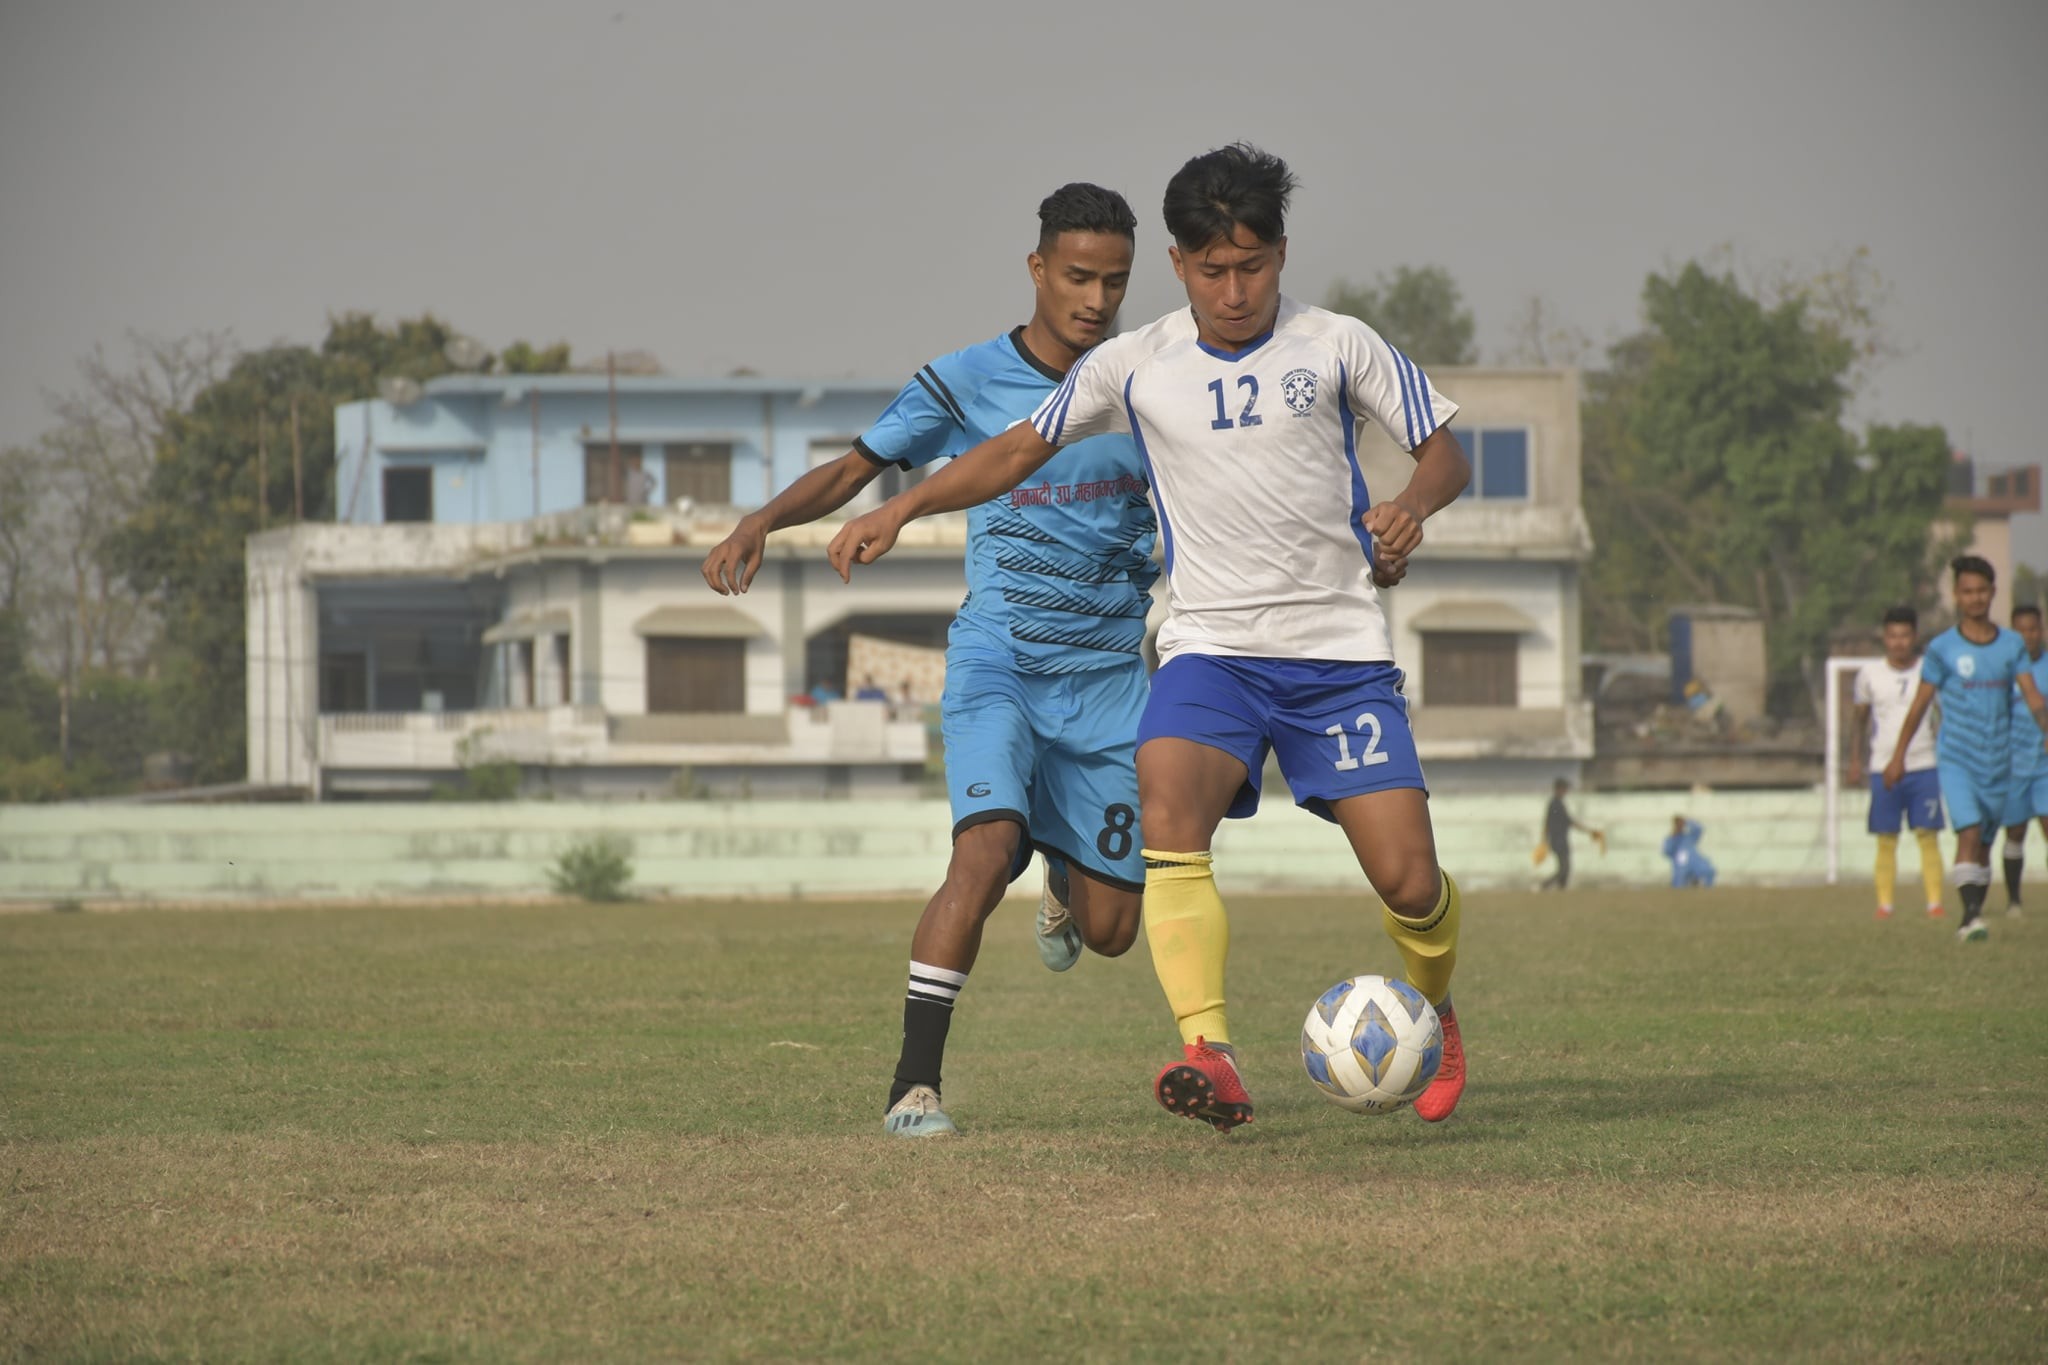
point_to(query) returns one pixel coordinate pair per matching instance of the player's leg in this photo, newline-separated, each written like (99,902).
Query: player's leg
(1201,747)
(1924,814)
(1084,814)
(989,753)
(1887,812)
(1976,805)
(2014,815)
(1564,863)
(1341,734)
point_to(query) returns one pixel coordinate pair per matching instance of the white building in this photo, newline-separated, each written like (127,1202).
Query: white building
(584,646)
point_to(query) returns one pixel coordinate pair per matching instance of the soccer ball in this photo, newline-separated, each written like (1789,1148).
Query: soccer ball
(1371,1044)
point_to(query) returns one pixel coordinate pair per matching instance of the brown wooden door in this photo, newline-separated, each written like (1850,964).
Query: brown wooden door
(1469,668)
(695,675)
(597,472)
(700,471)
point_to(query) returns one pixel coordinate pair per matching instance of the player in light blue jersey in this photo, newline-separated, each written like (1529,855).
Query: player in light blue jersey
(1045,675)
(2026,795)
(1973,667)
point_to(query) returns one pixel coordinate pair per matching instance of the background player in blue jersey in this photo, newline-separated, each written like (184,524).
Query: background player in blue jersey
(2026,795)
(1972,666)
(1045,678)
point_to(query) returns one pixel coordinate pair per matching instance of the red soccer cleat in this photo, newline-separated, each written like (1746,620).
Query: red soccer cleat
(1436,1103)
(1204,1086)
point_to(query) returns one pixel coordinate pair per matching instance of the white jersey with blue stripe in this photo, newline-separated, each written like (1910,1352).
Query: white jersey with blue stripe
(1059,571)
(1253,460)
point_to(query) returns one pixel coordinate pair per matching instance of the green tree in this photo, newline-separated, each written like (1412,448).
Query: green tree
(185,543)
(1420,311)
(1718,469)
(524,358)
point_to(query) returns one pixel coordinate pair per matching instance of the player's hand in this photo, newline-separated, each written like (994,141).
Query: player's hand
(1387,570)
(1856,773)
(1396,531)
(863,540)
(1894,773)
(733,562)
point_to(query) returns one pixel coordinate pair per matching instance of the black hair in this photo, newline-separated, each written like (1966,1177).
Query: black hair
(2025,609)
(1217,192)
(1975,564)
(1902,616)
(1081,207)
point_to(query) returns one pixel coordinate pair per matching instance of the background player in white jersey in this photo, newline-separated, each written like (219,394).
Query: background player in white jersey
(1045,674)
(2026,795)
(1884,691)
(1972,666)
(1245,407)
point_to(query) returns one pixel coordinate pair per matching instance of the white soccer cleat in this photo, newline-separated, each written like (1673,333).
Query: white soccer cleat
(917,1115)
(1059,939)
(1976,931)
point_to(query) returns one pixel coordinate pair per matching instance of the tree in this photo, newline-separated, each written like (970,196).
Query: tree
(1419,311)
(184,544)
(522,358)
(1719,470)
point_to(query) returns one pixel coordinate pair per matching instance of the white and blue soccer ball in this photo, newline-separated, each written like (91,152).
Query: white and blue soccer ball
(1371,1044)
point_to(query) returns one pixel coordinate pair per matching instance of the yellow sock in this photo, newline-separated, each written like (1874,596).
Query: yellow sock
(1189,933)
(1429,946)
(1930,864)
(1888,868)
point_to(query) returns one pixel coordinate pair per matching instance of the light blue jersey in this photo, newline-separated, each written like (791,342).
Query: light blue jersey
(2029,757)
(1975,684)
(1059,572)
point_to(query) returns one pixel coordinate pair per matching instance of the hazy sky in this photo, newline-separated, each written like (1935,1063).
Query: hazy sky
(752,185)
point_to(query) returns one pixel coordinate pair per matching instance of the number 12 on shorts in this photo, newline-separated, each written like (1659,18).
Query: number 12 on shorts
(1367,725)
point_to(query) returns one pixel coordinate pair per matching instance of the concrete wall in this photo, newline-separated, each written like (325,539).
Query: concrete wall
(773,848)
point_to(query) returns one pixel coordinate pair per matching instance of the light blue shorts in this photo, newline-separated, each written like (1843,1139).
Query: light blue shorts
(2025,798)
(1973,801)
(1055,753)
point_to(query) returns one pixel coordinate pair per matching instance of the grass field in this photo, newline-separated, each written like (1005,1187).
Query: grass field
(1716,1125)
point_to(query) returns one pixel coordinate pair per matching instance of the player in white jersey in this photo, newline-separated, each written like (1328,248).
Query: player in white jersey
(1245,407)
(1883,693)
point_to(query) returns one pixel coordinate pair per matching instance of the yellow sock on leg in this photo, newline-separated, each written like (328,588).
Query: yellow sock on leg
(1888,868)
(1429,946)
(1189,934)
(1930,865)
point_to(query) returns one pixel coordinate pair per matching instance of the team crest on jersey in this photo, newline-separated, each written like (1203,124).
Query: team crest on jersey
(1298,387)
(1967,665)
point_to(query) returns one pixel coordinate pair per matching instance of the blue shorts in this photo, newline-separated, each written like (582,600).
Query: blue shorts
(1339,729)
(1916,801)
(2025,798)
(1974,801)
(1054,752)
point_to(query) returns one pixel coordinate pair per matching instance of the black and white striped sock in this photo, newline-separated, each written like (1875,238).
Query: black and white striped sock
(927,1016)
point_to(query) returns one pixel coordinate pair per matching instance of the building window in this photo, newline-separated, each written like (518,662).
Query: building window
(344,683)
(525,693)
(1500,462)
(1469,668)
(690,675)
(409,493)
(561,653)
(700,471)
(602,483)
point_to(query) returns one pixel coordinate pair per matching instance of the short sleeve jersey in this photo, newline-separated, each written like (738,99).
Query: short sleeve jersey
(1059,572)
(2029,758)
(1253,459)
(1888,692)
(1974,683)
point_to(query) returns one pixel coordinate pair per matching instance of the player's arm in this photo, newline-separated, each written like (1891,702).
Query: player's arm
(733,562)
(1922,699)
(995,466)
(2037,706)
(1441,473)
(1859,724)
(1399,397)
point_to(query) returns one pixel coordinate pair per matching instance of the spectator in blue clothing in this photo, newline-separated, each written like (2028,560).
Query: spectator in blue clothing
(1689,866)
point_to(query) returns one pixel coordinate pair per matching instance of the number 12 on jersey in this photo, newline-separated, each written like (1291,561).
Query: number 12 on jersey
(1246,418)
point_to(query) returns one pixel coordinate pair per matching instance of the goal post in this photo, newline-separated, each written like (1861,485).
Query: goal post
(1840,705)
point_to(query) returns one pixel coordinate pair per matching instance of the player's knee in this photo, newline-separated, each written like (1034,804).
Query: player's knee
(983,857)
(1111,935)
(1414,891)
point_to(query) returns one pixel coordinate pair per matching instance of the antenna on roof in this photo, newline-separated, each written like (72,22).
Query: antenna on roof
(399,391)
